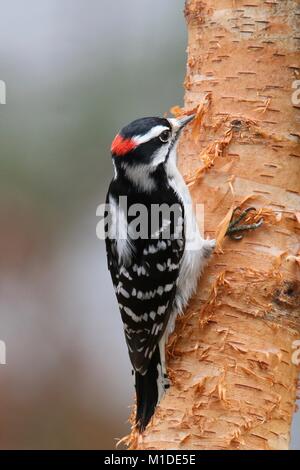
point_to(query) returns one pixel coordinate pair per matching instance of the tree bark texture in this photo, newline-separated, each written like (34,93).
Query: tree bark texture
(230,358)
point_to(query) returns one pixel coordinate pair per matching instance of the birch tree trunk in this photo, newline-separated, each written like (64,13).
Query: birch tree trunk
(230,358)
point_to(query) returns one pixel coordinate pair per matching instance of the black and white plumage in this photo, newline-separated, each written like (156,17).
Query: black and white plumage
(154,276)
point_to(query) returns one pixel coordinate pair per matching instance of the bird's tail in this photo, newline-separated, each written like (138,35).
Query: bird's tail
(149,389)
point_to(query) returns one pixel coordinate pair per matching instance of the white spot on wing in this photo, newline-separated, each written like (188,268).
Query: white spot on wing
(154,132)
(168,287)
(161,267)
(131,314)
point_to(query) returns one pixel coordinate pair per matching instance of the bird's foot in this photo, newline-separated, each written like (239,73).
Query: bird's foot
(234,230)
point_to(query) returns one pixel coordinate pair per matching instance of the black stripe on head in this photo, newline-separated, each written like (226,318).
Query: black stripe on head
(142,126)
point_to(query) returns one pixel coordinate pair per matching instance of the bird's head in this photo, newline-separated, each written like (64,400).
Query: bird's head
(147,142)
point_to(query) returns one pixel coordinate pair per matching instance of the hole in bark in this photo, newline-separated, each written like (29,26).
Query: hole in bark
(236,123)
(290,289)
(288,294)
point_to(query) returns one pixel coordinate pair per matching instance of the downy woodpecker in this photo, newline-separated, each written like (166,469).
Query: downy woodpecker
(154,276)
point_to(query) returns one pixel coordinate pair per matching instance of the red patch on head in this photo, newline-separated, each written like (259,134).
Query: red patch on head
(120,146)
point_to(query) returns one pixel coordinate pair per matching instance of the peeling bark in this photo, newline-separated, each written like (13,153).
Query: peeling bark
(230,358)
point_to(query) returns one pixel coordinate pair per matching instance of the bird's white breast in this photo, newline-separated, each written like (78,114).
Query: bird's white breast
(196,249)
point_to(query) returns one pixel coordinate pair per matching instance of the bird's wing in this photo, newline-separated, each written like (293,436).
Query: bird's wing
(145,286)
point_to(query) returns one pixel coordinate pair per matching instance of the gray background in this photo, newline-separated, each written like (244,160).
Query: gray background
(76,71)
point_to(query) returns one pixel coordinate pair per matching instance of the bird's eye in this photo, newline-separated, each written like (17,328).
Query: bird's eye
(164,136)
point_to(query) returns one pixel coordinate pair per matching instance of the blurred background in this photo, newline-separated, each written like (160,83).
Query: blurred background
(76,71)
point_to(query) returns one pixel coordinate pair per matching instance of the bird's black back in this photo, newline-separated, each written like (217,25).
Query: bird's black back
(145,282)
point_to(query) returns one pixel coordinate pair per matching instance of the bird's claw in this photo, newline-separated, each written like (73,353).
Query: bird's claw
(234,230)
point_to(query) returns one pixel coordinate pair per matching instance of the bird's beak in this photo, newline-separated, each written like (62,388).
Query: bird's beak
(185,120)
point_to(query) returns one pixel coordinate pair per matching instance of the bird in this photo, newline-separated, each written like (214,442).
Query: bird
(155,258)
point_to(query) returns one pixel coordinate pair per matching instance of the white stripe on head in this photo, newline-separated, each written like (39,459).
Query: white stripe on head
(174,123)
(154,132)
(160,155)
